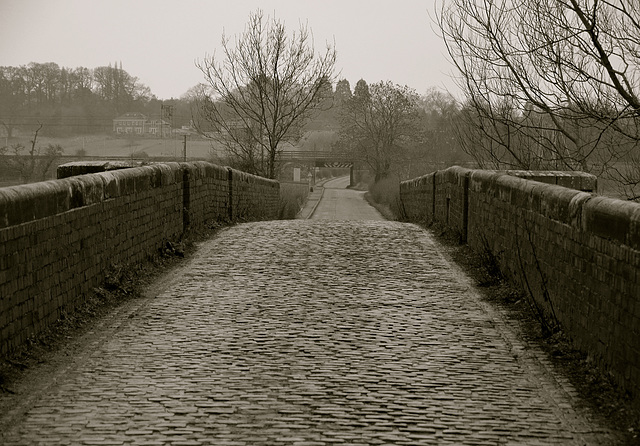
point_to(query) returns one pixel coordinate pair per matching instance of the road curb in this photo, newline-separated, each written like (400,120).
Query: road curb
(316,205)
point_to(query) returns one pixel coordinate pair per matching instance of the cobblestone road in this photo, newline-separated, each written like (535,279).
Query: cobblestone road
(305,333)
(339,203)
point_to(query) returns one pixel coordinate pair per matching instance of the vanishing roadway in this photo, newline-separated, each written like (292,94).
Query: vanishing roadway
(329,331)
(340,203)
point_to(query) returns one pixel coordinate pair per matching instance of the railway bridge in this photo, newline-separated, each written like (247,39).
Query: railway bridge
(323,159)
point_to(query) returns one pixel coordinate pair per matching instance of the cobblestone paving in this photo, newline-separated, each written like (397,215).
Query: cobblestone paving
(306,333)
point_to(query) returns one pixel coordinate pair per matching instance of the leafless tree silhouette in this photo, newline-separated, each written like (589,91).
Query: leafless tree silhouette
(34,164)
(262,89)
(549,84)
(379,122)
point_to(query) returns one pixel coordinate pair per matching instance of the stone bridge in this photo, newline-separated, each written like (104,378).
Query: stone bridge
(338,329)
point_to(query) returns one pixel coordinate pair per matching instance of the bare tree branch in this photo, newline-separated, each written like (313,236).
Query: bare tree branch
(549,83)
(262,90)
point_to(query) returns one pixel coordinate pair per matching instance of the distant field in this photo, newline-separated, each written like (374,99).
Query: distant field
(106,145)
(111,145)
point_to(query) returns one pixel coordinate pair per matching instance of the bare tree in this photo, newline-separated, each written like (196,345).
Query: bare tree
(549,83)
(262,90)
(35,163)
(440,113)
(379,123)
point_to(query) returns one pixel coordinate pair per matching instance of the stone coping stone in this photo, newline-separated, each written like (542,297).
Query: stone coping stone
(84,167)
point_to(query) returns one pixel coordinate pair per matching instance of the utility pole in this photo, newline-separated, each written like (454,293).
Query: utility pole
(184,148)
(166,111)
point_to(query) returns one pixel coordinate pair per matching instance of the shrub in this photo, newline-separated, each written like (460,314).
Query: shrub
(292,197)
(386,194)
(141,154)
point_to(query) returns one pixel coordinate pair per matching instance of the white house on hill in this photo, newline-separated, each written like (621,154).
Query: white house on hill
(139,124)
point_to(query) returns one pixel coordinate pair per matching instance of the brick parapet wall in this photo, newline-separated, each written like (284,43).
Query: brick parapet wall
(451,187)
(76,168)
(572,180)
(253,198)
(576,253)
(207,196)
(418,197)
(59,238)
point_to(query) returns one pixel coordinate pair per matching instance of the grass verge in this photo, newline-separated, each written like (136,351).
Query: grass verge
(292,198)
(385,197)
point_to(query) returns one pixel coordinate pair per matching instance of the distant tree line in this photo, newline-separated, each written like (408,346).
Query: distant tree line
(393,130)
(68,100)
(396,131)
(269,89)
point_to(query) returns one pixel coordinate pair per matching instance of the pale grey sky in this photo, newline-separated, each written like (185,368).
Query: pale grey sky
(159,41)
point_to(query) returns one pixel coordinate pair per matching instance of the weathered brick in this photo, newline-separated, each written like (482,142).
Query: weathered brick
(68,232)
(587,247)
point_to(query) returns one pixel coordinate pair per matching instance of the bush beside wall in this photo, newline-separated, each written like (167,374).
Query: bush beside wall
(293,197)
(59,238)
(577,254)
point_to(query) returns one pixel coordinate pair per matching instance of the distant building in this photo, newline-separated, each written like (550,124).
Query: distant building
(139,124)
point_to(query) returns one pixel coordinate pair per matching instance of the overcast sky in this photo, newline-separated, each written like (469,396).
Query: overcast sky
(159,41)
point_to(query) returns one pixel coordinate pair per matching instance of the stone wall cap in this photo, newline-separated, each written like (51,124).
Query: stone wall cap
(107,165)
